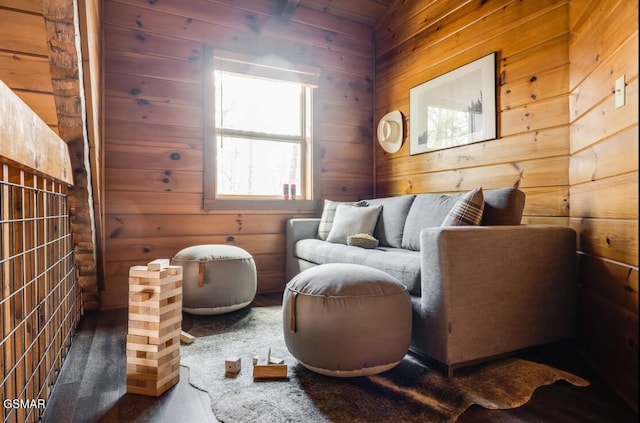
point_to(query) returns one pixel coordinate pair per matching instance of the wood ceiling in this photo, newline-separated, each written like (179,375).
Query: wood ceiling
(368,12)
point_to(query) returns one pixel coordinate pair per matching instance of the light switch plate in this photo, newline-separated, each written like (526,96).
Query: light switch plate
(619,92)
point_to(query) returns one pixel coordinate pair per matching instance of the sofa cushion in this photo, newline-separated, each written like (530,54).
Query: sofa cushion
(467,211)
(402,264)
(328,214)
(392,217)
(503,206)
(351,220)
(427,210)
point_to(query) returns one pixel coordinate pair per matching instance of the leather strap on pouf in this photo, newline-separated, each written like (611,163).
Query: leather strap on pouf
(292,320)
(201,267)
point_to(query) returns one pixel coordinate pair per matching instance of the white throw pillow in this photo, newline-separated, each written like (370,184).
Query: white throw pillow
(350,220)
(329,213)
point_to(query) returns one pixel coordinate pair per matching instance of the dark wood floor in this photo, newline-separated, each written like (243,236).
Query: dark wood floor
(91,386)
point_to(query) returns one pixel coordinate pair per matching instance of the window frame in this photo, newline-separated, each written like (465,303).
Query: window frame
(235,63)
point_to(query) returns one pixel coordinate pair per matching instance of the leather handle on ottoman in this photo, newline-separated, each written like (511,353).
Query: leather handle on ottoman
(201,274)
(292,321)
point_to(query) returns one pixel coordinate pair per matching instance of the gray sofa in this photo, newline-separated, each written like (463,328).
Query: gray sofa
(477,292)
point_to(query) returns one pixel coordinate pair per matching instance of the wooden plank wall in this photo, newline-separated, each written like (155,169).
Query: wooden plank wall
(603,177)
(418,41)
(24,57)
(153,148)
(560,138)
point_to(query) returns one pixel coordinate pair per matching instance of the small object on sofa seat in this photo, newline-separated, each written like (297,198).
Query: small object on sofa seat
(362,240)
(216,278)
(346,320)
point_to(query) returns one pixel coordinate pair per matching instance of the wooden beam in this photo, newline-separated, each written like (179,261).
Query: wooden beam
(28,141)
(91,35)
(62,28)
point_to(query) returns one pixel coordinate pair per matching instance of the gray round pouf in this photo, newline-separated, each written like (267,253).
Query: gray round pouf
(346,320)
(216,278)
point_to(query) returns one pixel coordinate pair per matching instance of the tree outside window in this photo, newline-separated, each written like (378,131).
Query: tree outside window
(260,129)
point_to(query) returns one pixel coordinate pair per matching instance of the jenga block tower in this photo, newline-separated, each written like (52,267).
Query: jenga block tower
(155,321)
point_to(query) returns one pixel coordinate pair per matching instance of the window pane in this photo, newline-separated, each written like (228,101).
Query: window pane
(258,105)
(256,167)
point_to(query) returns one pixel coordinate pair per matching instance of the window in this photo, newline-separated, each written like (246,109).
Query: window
(261,127)
(258,131)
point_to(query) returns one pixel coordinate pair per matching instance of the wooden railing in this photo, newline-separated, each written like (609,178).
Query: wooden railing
(40,300)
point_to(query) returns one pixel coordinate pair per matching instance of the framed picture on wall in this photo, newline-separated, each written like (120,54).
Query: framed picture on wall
(454,109)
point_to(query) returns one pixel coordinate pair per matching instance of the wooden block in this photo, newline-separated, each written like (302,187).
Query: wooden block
(142,347)
(265,371)
(139,286)
(174,270)
(158,264)
(186,338)
(137,297)
(142,272)
(232,365)
(136,339)
(263,357)
(174,292)
(272,360)
(270,372)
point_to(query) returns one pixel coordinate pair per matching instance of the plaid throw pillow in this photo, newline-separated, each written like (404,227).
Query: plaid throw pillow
(467,211)
(329,213)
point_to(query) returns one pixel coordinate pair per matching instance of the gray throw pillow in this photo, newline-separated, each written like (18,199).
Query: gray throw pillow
(392,217)
(351,220)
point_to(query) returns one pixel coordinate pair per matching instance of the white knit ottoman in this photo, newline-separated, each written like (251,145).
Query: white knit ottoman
(346,320)
(216,278)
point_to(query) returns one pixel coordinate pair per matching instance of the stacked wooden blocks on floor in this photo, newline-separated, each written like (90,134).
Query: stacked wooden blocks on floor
(266,368)
(155,320)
